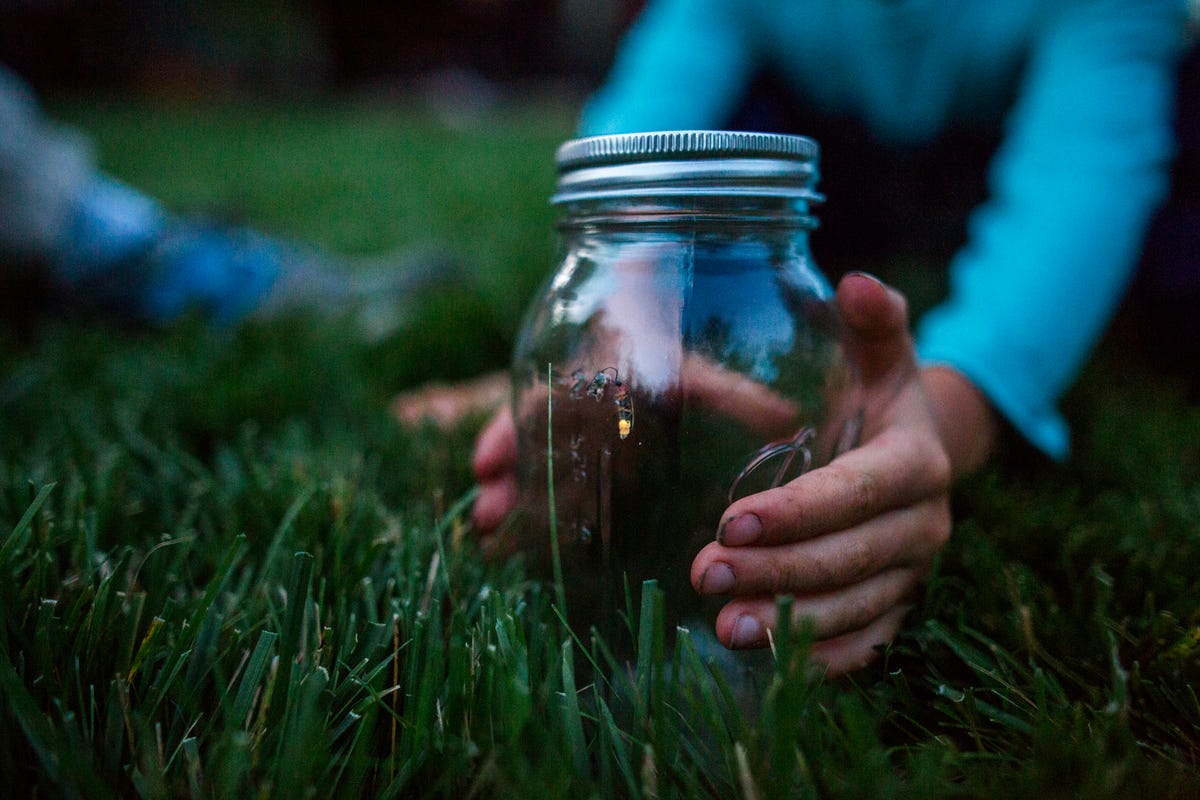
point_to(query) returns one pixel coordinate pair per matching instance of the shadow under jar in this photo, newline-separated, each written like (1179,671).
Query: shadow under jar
(684,354)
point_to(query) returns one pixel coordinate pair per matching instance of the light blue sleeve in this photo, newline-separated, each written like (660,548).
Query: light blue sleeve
(684,64)
(1082,168)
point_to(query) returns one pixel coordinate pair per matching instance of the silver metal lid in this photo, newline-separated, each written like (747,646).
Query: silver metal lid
(675,163)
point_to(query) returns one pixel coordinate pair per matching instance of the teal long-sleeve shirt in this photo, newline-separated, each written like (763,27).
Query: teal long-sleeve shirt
(1081,168)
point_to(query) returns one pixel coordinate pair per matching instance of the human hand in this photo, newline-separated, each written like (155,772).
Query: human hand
(852,541)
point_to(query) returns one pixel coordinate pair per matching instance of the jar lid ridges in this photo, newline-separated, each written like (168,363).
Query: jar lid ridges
(692,144)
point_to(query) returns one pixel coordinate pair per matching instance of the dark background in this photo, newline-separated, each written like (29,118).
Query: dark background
(199,48)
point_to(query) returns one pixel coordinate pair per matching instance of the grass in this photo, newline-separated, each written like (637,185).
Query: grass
(224,571)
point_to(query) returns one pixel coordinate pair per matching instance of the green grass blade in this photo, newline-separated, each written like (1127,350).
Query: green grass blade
(251,682)
(15,541)
(571,712)
(293,624)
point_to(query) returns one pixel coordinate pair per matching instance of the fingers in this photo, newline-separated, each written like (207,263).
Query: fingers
(851,541)
(897,468)
(744,623)
(843,645)
(876,337)
(446,405)
(870,308)
(908,537)
(853,651)
(496,447)
(496,499)
(495,464)
(848,565)
(732,394)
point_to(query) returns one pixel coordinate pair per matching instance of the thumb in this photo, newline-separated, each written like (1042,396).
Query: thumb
(496,447)
(875,319)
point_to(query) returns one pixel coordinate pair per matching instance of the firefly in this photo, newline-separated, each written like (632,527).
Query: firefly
(624,408)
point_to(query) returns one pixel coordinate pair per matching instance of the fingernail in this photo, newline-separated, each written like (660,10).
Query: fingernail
(717,579)
(740,530)
(747,632)
(867,275)
(891,290)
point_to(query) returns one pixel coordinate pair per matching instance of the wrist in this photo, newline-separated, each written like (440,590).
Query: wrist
(965,420)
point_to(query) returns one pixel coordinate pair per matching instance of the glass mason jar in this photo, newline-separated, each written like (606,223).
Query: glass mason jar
(684,354)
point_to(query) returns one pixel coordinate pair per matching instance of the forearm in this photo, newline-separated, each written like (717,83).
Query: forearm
(1073,187)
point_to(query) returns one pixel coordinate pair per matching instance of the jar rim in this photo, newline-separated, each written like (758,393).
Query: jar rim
(679,163)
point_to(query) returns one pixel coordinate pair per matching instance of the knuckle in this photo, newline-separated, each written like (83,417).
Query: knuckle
(792,497)
(864,492)
(858,560)
(862,611)
(782,579)
(820,574)
(854,493)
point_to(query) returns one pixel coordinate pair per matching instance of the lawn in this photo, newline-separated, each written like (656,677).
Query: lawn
(226,572)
